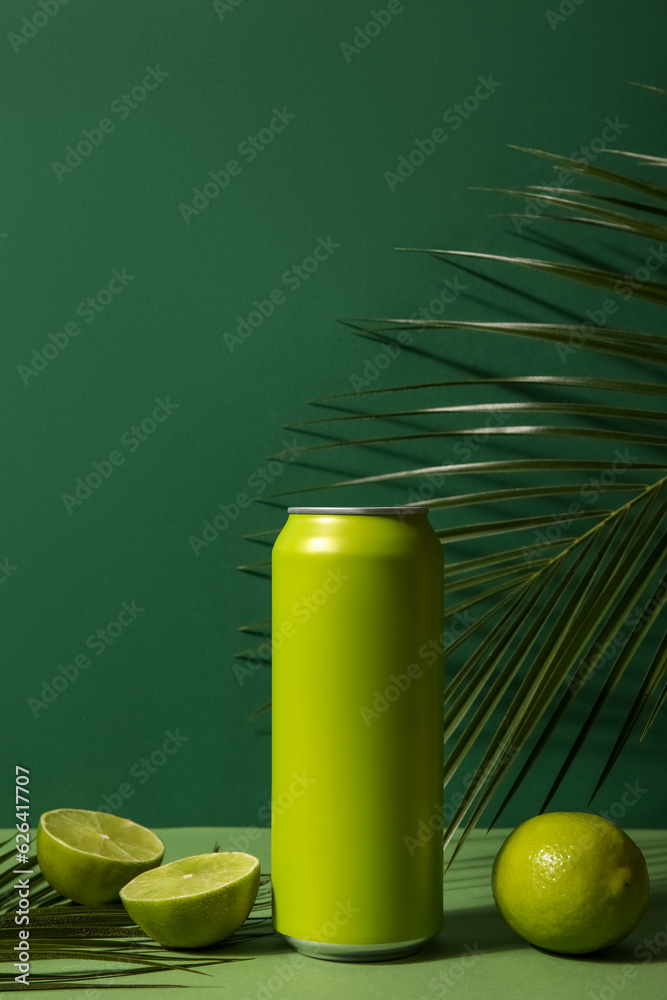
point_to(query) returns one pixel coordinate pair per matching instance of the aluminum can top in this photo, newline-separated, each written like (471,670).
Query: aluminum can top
(369,511)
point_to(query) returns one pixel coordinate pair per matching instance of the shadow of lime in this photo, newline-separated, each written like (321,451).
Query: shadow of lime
(468,933)
(481,929)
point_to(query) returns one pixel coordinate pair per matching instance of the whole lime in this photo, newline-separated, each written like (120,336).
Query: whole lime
(570,882)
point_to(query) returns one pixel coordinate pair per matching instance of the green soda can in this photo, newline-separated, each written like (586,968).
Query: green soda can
(357,702)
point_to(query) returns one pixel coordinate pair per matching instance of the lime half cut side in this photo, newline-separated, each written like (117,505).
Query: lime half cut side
(89,856)
(196,901)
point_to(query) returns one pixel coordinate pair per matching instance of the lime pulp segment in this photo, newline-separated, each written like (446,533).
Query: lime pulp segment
(102,835)
(192,876)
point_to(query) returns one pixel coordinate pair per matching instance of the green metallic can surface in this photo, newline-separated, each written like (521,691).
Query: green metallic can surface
(357,702)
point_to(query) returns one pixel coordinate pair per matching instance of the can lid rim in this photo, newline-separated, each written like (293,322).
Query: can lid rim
(370,511)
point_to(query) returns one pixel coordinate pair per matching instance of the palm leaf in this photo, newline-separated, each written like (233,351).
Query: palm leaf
(462,675)
(589,602)
(570,409)
(457,610)
(506,555)
(656,708)
(613,220)
(649,685)
(522,493)
(643,158)
(580,382)
(480,684)
(651,291)
(525,430)
(541,609)
(603,643)
(261,627)
(64,931)
(599,173)
(512,524)
(648,86)
(607,339)
(478,579)
(639,206)
(620,343)
(260,568)
(530,465)
(629,649)
(651,232)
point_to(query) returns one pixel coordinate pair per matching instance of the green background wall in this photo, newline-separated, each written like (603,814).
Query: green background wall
(218,77)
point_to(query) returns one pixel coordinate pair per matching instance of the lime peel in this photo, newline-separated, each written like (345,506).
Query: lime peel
(196,901)
(570,882)
(89,856)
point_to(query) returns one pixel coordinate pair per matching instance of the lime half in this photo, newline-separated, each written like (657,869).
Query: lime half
(89,856)
(196,901)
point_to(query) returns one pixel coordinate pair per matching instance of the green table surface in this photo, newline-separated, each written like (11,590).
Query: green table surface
(475,956)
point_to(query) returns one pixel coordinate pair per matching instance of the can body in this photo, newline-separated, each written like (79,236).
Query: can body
(357,703)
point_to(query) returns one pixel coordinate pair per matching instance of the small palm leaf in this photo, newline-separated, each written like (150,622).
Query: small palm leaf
(651,291)
(599,173)
(622,343)
(612,220)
